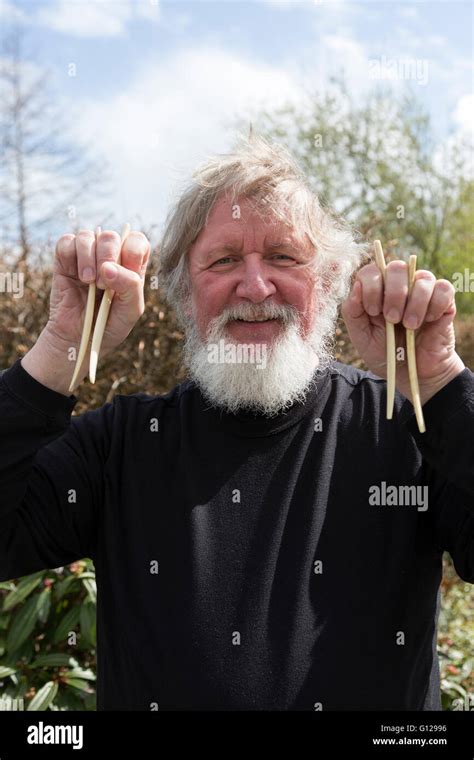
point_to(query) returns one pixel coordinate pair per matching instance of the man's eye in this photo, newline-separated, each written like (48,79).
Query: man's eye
(227,259)
(219,261)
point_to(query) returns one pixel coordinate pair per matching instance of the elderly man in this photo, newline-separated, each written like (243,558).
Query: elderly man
(264,539)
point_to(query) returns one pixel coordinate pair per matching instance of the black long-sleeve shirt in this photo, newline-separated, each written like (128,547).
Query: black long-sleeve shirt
(244,562)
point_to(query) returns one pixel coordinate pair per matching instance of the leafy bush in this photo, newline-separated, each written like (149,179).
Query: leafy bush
(48,639)
(455,641)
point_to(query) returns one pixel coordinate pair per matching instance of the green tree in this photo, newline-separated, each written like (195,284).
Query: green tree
(375,162)
(457,250)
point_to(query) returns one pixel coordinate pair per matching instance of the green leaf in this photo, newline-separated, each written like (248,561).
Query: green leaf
(89,701)
(4,621)
(54,660)
(25,651)
(78,683)
(68,699)
(91,588)
(88,675)
(64,586)
(23,624)
(44,697)
(67,624)
(88,622)
(44,604)
(5,672)
(7,585)
(24,589)
(452,686)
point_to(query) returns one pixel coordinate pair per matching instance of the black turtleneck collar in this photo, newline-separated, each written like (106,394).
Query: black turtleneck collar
(254,424)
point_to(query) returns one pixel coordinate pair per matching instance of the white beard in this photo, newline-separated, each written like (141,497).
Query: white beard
(292,364)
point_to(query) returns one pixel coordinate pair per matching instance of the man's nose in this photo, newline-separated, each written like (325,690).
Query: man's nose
(255,282)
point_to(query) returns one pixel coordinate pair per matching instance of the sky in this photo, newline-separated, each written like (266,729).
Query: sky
(155,87)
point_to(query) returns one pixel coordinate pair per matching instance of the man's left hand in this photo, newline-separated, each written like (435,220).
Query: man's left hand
(430,310)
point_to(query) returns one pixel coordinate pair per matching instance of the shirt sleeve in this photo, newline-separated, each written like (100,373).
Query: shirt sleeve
(51,475)
(447,448)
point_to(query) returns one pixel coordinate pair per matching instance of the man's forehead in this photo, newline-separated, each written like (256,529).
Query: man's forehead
(242,210)
(235,238)
(229,224)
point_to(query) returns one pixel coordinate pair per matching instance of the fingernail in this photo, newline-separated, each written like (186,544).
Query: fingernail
(373,311)
(393,315)
(110,270)
(88,274)
(411,322)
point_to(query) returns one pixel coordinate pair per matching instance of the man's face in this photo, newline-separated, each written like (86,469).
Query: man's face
(249,261)
(243,270)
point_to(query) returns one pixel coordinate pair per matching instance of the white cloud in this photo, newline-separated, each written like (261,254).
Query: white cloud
(97,18)
(336,54)
(460,141)
(332,6)
(408,12)
(171,117)
(9,13)
(463,114)
(283,5)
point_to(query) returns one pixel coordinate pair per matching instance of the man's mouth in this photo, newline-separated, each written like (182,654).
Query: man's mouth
(261,329)
(252,321)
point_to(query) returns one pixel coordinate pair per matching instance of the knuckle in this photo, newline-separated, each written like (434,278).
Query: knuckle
(397,266)
(369,270)
(109,236)
(85,234)
(425,274)
(371,274)
(65,244)
(397,293)
(445,286)
(137,244)
(137,235)
(108,248)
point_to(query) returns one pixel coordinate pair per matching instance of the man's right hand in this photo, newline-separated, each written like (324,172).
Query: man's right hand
(77,263)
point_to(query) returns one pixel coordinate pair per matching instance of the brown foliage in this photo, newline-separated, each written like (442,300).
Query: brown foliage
(150,359)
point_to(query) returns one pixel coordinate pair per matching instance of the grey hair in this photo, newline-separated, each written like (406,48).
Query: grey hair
(265,172)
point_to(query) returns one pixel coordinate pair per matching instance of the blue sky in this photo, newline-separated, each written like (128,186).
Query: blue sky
(158,85)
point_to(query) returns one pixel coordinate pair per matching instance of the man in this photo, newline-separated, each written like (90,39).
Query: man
(264,539)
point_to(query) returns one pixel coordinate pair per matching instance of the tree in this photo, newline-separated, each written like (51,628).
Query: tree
(457,249)
(42,174)
(375,163)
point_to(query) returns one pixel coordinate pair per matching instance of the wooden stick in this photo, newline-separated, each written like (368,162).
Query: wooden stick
(411,356)
(86,330)
(101,322)
(390,331)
